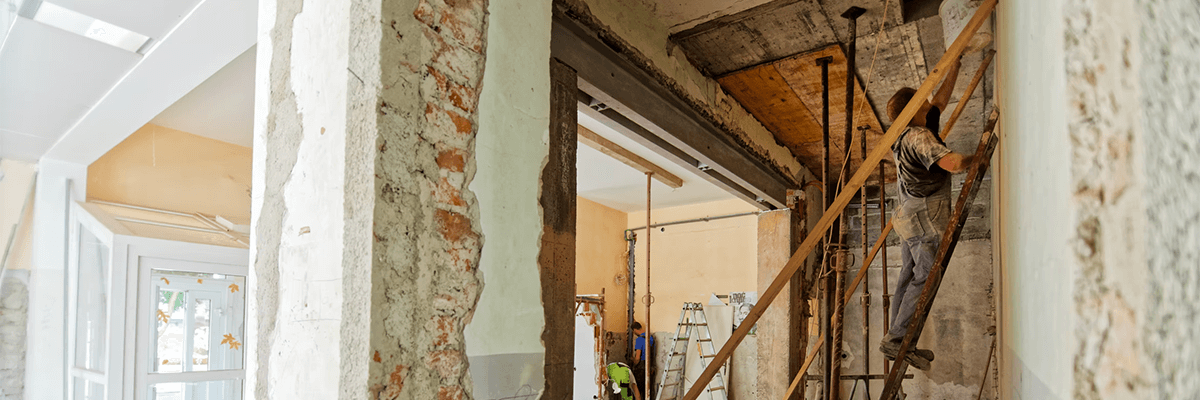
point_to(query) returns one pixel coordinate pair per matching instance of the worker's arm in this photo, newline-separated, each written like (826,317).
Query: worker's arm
(633,384)
(942,97)
(637,356)
(955,162)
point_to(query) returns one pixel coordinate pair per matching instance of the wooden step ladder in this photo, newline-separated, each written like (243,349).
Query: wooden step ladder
(691,322)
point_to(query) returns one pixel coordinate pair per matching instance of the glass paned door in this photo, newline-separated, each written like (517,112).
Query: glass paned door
(89,343)
(196,335)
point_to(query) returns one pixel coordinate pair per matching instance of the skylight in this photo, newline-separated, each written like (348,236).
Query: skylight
(59,17)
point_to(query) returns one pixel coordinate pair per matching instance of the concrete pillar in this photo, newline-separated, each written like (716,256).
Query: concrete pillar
(366,241)
(780,339)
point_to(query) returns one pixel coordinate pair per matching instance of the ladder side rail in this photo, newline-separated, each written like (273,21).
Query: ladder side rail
(983,156)
(864,171)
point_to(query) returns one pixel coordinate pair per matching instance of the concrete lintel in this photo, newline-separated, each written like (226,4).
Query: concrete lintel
(612,79)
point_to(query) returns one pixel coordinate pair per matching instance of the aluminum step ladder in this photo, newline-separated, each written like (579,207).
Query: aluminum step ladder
(691,322)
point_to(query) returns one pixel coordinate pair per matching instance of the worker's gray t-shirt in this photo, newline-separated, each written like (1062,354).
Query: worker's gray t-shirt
(917,152)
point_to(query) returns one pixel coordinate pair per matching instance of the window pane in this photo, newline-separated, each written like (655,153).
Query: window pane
(169,317)
(91,316)
(211,390)
(87,390)
(202,309)
(199,315)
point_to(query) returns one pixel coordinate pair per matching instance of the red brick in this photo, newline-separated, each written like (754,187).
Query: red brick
(447,363)
(452,160)
(454,226)
(450,393)
(424,13)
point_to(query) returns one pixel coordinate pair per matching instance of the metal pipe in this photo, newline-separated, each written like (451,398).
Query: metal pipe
(826,283)
(839,314)
(630,263)
(866,295)
(694,220)
(646,356)
(883,219)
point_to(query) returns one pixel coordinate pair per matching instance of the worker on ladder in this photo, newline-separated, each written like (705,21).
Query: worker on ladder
(923,167)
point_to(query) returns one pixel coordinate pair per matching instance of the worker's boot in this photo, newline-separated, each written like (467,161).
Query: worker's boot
(918,358)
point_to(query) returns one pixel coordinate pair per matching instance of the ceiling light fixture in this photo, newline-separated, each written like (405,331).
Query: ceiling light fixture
(68,20)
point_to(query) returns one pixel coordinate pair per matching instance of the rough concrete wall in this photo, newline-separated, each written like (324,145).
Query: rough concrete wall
(778,333)
(632,27)
(14,315)
(503,339)
(366,237)
(1170,80)
(1102,120)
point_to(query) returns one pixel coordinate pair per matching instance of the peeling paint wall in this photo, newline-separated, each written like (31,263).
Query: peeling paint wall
(634,23)
(366,240)
(503,339)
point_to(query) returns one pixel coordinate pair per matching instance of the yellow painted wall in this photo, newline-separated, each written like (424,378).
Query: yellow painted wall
(691,261)
(600,259)
(169,169)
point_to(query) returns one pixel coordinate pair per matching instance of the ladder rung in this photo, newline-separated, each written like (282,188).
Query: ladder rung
(704,356)
(716,388)
(676,369)
(703,340)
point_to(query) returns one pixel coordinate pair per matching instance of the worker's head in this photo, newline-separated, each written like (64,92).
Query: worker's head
(899,100)
(637,328)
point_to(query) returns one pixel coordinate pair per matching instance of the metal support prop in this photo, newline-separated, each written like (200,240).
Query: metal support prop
(829,191)
(646,356)
(631,238)
(866,295)
(983,157)
(839,313)
(835,208)
(882,241)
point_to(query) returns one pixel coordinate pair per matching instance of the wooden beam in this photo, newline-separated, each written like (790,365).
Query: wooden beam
(835,209)
(595,141)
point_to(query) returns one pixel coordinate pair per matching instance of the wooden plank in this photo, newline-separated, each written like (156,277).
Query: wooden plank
(766,94)
(595,141)
(839,203)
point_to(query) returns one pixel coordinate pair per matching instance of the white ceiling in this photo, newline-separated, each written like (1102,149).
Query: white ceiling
(605,180)
(221,108)
(71,98)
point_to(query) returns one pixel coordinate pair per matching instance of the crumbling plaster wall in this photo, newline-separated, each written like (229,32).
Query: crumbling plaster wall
(1170,80)
(14,315)
(366,239)
(503,339)
(634,23)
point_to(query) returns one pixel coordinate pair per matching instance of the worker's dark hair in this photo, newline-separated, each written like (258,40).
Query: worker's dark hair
(899,100)
(636,325)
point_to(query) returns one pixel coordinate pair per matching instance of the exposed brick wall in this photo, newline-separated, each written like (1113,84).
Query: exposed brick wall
(426,232)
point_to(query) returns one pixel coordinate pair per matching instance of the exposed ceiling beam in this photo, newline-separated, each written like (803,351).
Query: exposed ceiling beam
(595,141)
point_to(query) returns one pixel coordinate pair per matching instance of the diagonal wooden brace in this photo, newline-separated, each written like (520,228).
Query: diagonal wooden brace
(882,148)
(983,157)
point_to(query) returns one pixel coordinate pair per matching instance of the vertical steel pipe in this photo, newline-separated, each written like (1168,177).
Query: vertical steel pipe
(839,313)
(631,238)
(646,356)
(866,250)
(883,220)
(826,283)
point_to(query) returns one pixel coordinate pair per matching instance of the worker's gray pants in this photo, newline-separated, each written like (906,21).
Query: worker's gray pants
(920,222)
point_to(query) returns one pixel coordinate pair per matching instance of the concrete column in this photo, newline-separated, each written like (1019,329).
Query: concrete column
(366,240)
(780,343)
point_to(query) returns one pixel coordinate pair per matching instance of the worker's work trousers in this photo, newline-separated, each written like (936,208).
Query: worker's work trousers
(920,222)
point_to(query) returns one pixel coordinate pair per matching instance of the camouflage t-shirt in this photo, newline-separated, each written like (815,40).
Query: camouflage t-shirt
(917,152)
